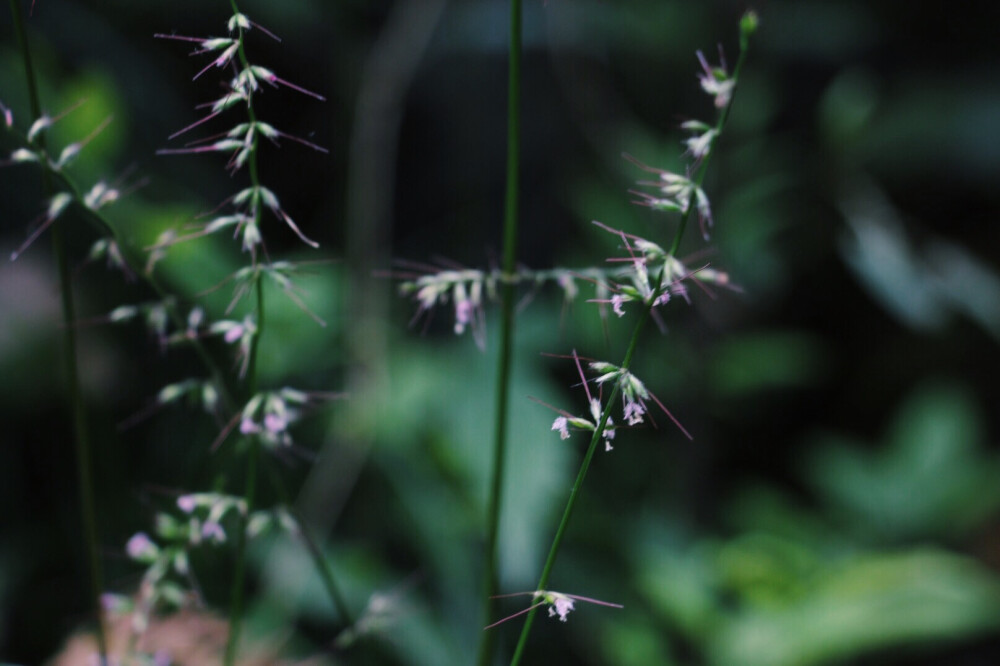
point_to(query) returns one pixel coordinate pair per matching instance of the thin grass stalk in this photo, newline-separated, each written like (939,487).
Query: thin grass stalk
(253,454)
(250,490)
(550,561)
(490,576)
(83,448)
(322,566)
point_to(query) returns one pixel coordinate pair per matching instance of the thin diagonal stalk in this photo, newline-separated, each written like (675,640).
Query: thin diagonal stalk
(661,284)
(490,575)
(322,566)
(550,561)
(83,448)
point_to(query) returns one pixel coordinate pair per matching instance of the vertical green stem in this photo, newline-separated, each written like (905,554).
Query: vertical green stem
(239,568)
(490,576)
(250,490)
(236,607)
(83,448)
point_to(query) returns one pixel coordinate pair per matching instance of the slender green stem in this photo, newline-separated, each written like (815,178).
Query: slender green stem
(236,605)
(239,569)
(662,282)
(83,448)
(490,574)
(574,493)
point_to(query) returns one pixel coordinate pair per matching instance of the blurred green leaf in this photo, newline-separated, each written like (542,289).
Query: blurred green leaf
(931,478)
(868,603)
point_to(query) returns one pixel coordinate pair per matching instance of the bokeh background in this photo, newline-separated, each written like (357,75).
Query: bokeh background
(840,501)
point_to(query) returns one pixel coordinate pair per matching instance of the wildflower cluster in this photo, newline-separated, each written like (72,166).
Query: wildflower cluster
(634,396)
(265,419)
(241,141)
(169,581)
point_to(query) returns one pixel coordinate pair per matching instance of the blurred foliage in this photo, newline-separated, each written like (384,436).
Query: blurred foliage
(838,504)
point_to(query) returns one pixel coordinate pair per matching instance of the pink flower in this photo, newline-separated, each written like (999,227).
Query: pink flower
(213,531)
(187,503)
(561,606)
(140,547)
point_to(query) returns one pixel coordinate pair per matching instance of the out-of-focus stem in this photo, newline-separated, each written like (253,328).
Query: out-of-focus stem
(83,449)
(250,490)
(490,574)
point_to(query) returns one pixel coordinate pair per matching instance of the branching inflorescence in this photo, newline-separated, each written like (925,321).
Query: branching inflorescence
(646,279)
(262,418)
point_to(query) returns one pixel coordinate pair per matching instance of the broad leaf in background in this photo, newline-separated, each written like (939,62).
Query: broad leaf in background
(932,478)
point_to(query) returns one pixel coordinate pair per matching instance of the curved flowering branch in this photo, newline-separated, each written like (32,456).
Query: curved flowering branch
(681,194)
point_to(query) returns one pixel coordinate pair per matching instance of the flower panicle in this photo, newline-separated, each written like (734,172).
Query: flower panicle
(168,581)
(267,415)
(634,394)
(241,141)
(466,289)
(676,193)
(565,419)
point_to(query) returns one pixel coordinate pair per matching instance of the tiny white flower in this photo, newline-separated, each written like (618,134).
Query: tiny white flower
(561,606)
(716,82)
(617,302)
(634,411)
